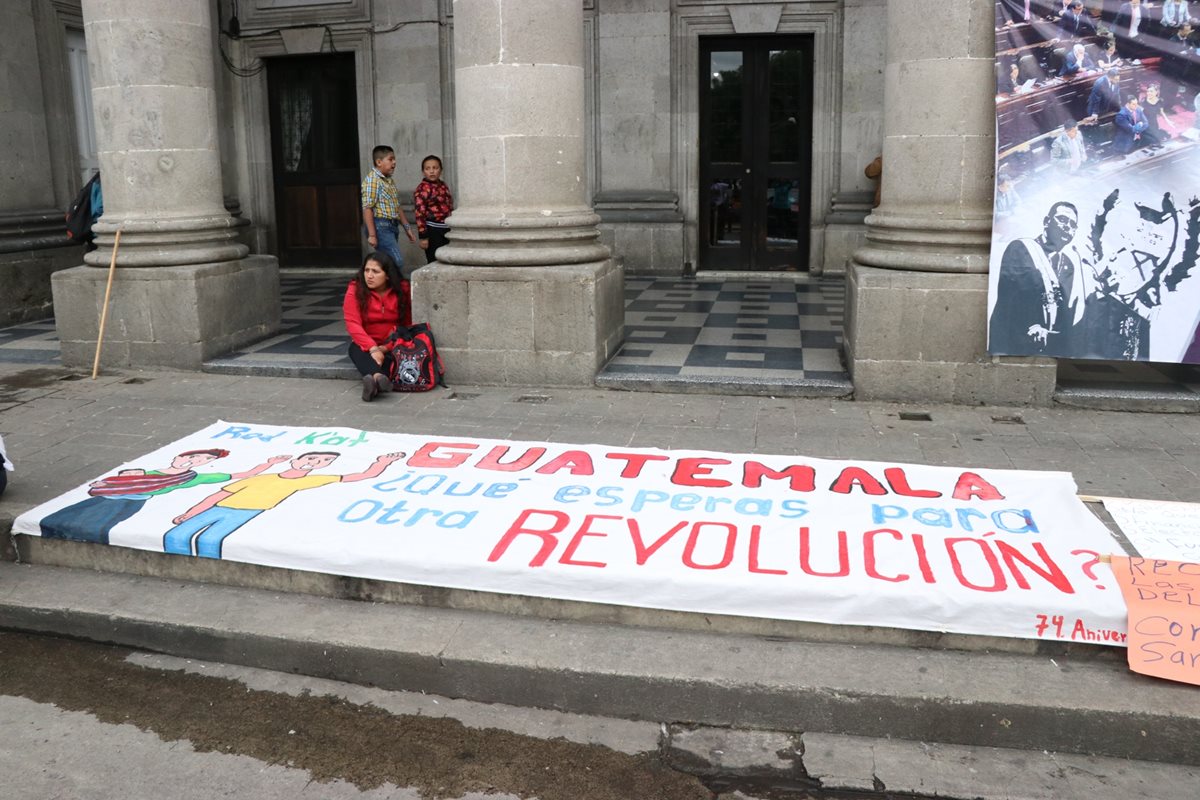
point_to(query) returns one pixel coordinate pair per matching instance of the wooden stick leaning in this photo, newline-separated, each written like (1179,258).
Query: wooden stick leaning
(112,269)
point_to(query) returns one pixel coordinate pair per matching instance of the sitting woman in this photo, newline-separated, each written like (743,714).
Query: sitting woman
(376,304)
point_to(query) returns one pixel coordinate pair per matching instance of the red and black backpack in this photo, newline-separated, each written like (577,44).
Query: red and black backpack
(416,365)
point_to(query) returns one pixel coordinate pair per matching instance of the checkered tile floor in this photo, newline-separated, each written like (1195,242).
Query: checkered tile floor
(706,335)
(743,335)
(764,336)
(32,342)
(312,339)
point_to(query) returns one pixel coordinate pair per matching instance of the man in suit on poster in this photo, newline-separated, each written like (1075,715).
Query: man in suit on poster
(1076,62)
(1129,20)
(1106,94)
(1040,293)
(1131,125)
(1068,153)
(1013,12)
(1076,23)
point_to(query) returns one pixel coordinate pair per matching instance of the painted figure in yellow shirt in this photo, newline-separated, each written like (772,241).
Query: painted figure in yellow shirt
(203,528)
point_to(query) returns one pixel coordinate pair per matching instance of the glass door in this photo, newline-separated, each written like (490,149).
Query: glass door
(755,152)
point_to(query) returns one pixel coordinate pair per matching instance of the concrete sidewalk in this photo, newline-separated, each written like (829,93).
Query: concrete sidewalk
(64,429)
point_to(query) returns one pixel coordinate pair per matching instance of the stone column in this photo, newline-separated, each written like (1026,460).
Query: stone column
(186,289)
(524,293)
(916,318)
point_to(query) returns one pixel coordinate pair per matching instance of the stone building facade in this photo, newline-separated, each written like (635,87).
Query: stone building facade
(232,140)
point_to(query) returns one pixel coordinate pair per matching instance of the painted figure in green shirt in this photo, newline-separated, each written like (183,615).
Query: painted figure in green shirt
(118,497)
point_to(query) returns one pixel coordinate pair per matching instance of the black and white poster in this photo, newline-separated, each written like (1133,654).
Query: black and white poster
(1096,228)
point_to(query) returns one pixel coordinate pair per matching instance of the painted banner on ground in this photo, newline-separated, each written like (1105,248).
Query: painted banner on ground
(1164,616)
(1158,528)
(1096,225)
(997,552)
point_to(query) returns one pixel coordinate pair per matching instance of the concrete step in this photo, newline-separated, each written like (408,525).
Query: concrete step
(267,367)
(616,378)
(1067,703)
(275,367)
(1155,399)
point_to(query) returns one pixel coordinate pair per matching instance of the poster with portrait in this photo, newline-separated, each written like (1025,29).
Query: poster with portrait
(1096,227)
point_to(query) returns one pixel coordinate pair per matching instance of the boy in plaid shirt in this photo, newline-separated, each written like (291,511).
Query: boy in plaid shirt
(382,215)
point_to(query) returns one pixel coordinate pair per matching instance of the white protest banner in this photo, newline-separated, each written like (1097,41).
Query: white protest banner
(1157,528)
(995,552)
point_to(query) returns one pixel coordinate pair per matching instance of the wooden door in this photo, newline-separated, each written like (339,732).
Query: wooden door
(314,152)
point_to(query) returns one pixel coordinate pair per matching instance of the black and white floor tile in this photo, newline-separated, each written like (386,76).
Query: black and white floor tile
(30,342)
(709,334)
(743,335)
(312,339)
(766,334)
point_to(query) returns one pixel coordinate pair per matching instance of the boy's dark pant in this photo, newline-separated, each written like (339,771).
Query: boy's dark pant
(437,238)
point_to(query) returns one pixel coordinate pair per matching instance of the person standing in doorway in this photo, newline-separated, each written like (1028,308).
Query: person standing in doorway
(382,215)
(432,203)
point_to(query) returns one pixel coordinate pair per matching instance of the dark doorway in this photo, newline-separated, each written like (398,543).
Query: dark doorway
(314,150)
(755,152)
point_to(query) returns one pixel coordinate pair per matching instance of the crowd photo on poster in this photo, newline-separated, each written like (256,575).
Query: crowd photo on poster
(1096,229)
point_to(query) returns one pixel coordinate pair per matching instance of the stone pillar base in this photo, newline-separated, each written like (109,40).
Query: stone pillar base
(841,240)
(523,326)
(921,336)
(25,278)
(175,317)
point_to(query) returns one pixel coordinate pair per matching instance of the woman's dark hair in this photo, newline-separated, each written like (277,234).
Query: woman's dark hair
(390,270)
(430,158)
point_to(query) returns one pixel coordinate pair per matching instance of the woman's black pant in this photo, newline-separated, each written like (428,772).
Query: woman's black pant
(365,364)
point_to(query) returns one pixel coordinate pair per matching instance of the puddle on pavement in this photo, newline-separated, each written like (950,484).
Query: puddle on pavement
(327,736)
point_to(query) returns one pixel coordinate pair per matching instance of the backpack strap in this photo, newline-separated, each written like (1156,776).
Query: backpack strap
(441,367)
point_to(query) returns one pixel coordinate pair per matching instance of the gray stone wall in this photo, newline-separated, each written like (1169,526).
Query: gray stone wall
(32,235)
(864,40)
(403,64)
(632,128)
(408,85)
(639,113)
(24,157)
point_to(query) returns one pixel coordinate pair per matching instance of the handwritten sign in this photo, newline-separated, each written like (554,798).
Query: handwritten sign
(997,552)
(1164,616)
(1159,529)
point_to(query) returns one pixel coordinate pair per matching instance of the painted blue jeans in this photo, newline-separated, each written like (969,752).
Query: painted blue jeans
(212,526)
(90,520)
